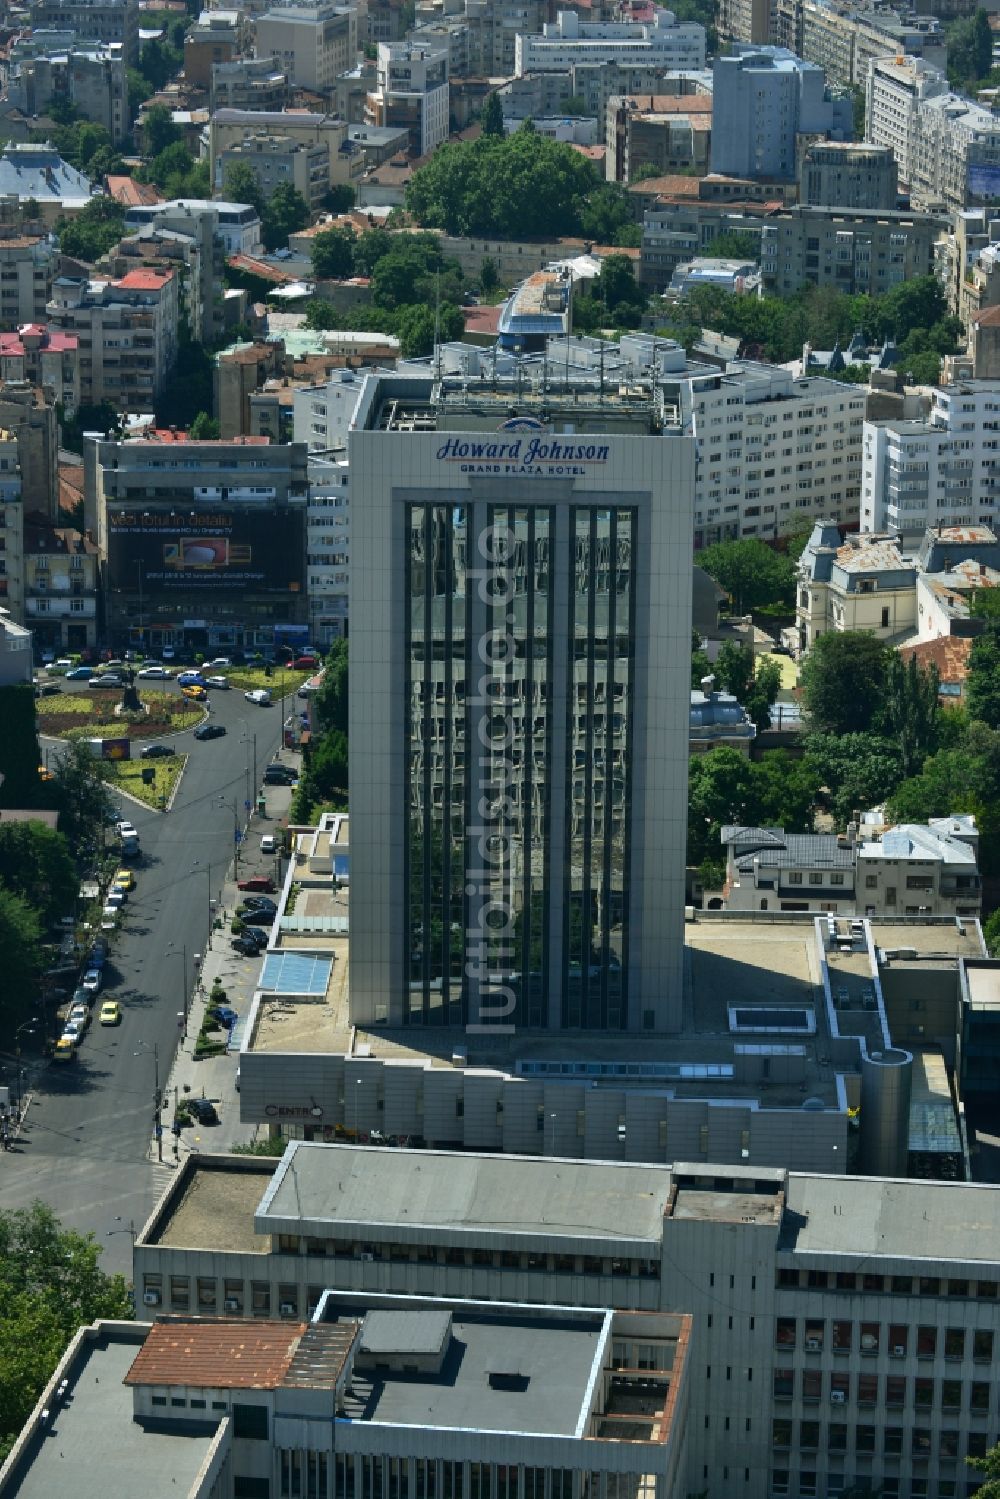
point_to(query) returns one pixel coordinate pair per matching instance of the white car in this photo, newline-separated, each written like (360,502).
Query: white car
(79,1015)
(115,898)
(260,696)
(218,682)
(125,830)
(267,843)
(91,980)
(109,918)
(73,1032)
(219,661)
(156,672)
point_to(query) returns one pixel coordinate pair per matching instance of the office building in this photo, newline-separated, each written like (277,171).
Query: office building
(249,83)
(588,842)
(843,1327)
(895,90)
(109,21)
(678,227)
(328,557)
(234,226)
(662,42)
(861,251)
(766,100)
(411,94)
(836,175)
(56,68)
(126,331)
(943,471)
(672,133)
(389,1394)
(217,37)
(277,160)
(313,42)
(204,541)
(25,273)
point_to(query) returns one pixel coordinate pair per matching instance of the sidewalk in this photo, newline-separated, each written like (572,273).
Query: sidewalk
(214,1078)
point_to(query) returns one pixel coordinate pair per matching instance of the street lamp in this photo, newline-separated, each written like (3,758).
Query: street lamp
(157,1126)
(225,802)
(208,867)
(172,952)
(128,1228)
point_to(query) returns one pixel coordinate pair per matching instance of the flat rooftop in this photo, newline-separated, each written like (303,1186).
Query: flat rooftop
(871,1216)
(94,1448)
(983,980)
(214,1208)
(352,1187)
(726,1207)
(930,939)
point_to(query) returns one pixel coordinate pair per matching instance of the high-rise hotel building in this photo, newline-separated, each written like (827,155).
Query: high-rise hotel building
(520,624)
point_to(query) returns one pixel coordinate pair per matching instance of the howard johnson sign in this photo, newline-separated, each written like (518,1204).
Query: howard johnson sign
(547,458)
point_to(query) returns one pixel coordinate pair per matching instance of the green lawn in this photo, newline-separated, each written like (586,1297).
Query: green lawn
(92,716)
(126,775)
(247,678)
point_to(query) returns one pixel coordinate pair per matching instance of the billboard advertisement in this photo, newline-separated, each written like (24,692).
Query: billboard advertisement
(210,551)
(984,181)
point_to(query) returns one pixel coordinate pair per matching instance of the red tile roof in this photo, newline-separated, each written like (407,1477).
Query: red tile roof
(143,280)
(990,317)
(217,1355)
(255,267)
(134,194)
(950,654)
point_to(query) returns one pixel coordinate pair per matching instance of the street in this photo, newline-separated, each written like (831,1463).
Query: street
(84,1148)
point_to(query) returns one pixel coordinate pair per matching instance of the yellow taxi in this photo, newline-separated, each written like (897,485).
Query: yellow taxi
(65,1051)
(124,879)
(197,693)
(111,1012)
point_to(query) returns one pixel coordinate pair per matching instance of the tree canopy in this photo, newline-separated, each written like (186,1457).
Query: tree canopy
(843,681)
(970,50)
(323,784)
(752,573)
(93,231)
(35,863)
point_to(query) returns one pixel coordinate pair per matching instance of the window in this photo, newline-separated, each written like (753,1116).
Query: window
(781,1432)
(954,1342)
(898,1332)
(895,1392)
(812,1386)
(892,1444)
(870,1337)
(979,1397)
(868,1389)
(926,1342)
(250,1422)
(842,1337)
(809,1435)
(837,1437)
(982,1347)
(923,1396)
(951,1395)
(864,1438)
(784,1332)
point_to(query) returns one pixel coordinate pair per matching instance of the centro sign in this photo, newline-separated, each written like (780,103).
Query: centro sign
(523,455)
(292,1111)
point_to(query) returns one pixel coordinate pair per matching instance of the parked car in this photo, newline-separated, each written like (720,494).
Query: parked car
(196,693)
(79,674)
(190,679)
(125,878)
(258,918)
(125,829)
(256,936)
(245,944)
(79,1015)
(107,679)
(210,731)
(72,1032)
(92,980)
(116,896)
(305,663)
(168,653)
(203,1110)
(153,672)
(280,775)
(220,683)
(225,1015)
(64,664)
(268,843)
(111,1012)
(220,661)
(258,882)
(65,1050)
(260,696)
(156,752)
(81,997)
(98,954)
(257,903)
(47,689)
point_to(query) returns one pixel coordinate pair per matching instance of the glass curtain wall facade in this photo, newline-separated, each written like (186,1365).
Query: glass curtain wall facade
(518,733)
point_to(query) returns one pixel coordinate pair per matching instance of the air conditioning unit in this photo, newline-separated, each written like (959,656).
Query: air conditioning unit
(813,1345)
(837,1397)
(231,1304)
(287,1308)
(151,1298)
(368,1257)
(899,1350)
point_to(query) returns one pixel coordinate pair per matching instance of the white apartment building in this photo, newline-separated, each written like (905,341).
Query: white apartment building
(328,528)
(230,127)
(235,225)
(127,332)
(567,42)
(322,413)
(774,452)
(411,93)
(944,471)
(895,91)
(313,42)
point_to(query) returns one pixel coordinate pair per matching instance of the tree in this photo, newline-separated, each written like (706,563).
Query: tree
(489,278)
(763,692)
(970,50)
(990,1464)
(607,209)
(991,936)
(285,212)
(191,390)
(330,703)
(204,428)
(909,710)
(242,185)
(701,667)
(159,130)
(736,245)
(616,285)
(491,119)
(785,788)
(416,325)
(369,248)
(340,198)
(80,794)
(734,669)
(51,1283)
(856,770)
(982,693)
(93,231)
(20,958)
(333,254)
(35,863)
(720,790)
(843,681)
(752,574)
(19,755)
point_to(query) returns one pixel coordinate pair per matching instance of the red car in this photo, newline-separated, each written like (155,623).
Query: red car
(258,882)
(305,663)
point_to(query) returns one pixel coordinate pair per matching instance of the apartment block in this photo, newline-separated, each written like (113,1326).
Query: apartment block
(16,662)
(313,42)
(230,127)
(835,175)
(29,412)
(25,273)
(908,868)
(127,334)
(109,20)
(944,471)
(36,180)
(851,1322)
(277,160)
(859,251)
(43,357)
(12,579)
(666,132)
(766,100)
(249,83)
(678,228)
(193,255)
(235,227)
(895,90)
(411,94)
(956,159)
(57,68)
(328,557)
(217,37)
(61,585)
(745,21)
(663,42)
(204,540)
(845,42)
